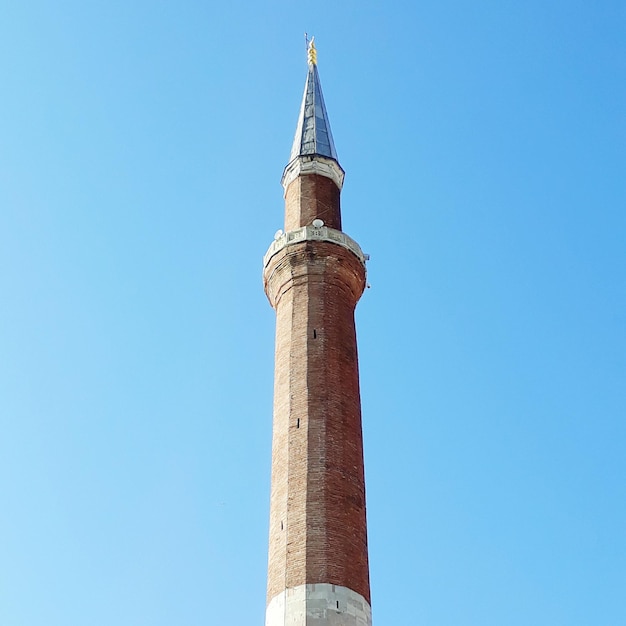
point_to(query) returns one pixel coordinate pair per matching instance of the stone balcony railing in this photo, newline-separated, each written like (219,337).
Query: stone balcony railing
(314,233)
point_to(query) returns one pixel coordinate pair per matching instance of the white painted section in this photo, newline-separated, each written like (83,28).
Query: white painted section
(313,233)
(314,164)
(318,605)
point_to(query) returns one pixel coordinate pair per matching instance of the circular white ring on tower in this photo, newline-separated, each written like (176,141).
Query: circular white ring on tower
(318,223)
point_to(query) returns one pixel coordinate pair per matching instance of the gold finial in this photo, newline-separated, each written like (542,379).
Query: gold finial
(312,52)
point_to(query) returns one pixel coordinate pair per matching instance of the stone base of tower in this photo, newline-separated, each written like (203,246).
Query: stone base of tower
(318,605)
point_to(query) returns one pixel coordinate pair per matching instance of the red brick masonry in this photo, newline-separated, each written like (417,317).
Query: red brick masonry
(317,518)
(312,197)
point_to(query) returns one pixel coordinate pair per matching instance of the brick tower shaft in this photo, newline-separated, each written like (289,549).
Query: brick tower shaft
(314,275)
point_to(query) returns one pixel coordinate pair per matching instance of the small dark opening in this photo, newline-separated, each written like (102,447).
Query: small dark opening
(298,423)
(314,334)
(281,525)
(337,603)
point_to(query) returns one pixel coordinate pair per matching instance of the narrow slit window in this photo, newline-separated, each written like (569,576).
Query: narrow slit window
(281,525)
(314,334)
(298,423)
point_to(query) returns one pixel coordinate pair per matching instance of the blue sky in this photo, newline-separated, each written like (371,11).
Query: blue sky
(141,149)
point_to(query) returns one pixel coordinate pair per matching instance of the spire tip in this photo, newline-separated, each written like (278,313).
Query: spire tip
(312,52)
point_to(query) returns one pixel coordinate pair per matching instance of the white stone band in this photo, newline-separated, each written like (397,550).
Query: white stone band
(321,604)
(314,164)
(314,233)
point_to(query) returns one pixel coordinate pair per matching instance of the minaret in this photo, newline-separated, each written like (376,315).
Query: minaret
(314,274)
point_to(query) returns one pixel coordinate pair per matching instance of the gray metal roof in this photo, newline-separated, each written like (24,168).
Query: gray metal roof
(313,134)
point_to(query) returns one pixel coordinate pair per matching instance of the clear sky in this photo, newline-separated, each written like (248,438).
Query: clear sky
(141,149)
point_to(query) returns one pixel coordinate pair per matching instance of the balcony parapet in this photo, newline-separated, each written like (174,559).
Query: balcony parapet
(313,233)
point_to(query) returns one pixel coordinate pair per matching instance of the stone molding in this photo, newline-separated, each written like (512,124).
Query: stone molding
(314,233)
(314,164)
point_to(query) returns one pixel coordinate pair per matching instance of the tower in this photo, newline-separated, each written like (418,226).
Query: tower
(314,274)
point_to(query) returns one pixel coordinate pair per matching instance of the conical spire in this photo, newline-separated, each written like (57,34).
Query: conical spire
(313,150)
(313,134)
